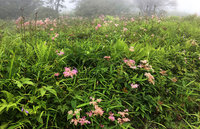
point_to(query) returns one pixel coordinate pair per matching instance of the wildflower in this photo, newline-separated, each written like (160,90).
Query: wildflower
(98,26)
(98,100)
(163,72)
(70,73)
(130,63)
(70,112)
(116,25)
(107,57)
(83,121)
(93,103)
(111,116)
(56,74)
(61,53)
(24,110)
(152,35)
(143,61)
(92,98)
(125,119)
(150,78)
(98,110)
(53,38)
(77,111)
(75,121)
(123,114)
(131,49)
(106,36)
(126,110)
(132,19)
(101,125)
(89,113)
(174,79)
(134,85)
(56,35)
(125,29)
(51,29)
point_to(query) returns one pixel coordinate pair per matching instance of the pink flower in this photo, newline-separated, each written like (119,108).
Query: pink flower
(116,25)
(53,38)
(70,112)
(56,35)
(125,119)
(101,125)
(131,49)
(56,74)
(75,121)
(134,85)
(144,61)
(61,53)
(83,121)
(107,57)
(132,19)
(125,29)
(89,113)
(130,63)
(98,110)
(98,26)
(150,78)
(126,110)
(51,29)
(111,116)
(69,73)
(98,100)
(123,113)
(93,103)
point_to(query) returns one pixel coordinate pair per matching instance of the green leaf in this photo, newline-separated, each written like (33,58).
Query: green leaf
(27,81)
(82,105)
(73,104)
(42,91)
(69,116)
(19,84)
(49,88)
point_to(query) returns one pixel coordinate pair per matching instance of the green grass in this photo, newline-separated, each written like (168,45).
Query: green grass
(28,62)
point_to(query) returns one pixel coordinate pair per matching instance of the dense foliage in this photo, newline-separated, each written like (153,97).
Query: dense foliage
(102,73)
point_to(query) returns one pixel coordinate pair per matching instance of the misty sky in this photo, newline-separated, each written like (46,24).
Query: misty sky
(187,6)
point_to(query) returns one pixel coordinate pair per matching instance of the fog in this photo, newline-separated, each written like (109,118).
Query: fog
(183,6)
(188,6)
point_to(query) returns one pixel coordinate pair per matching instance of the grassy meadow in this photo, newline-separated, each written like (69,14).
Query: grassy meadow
(107,72)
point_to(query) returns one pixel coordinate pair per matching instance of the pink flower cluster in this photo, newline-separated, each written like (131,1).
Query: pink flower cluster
(111,116)
(107,57)
(60,53)
(98,26)
(130,63)
(144,64)
(131,49)
(150,78)
(77,120)
(56,35)
(41,23)
(134,85)
(70,73)
(124,118)
(98,110)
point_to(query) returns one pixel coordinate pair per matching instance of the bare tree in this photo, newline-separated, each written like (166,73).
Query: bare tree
(55,4)
(150,7)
